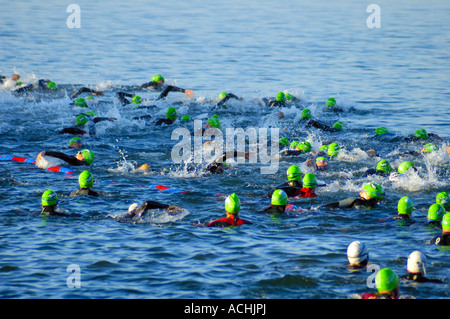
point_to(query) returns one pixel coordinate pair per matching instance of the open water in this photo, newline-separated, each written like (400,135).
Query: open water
(394,76)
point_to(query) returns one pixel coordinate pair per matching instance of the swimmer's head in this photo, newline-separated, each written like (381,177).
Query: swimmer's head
(49,198)
(232,204)
(284,141)
(75,142)
(331,102)
(158,78)
(87,156)
(338,125)
(304,147)
(293,145)
(384,166)
(137,99)
(435,213)
(81,120)
(306,114)
(333,149)
(321,163)
(289,96)
(386,280)
(81,102)
(381,130)
(132,207)
(52,86)
(430,147)
(309,181)
(213,122)
(446,223)
(405,166)
(421,133)
(86,179)
(279,198)
(185,118)
(372,191)
(416,263)
(443,199)
(15,77)
(171,113)
(294,173)
(281,97)
(221,96)
(405,206)
(357,253)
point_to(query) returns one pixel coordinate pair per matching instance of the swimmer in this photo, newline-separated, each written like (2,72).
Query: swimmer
(157,83)
(136,100)
(49,205)
(86,90)
(216,167)
(86,182)
(297,148)
(76,142)
(232,208)
(171,116)
(84,157)
(443,199)
(293,187)
(278,203)
(435,214)
(387,283)
(357,255)
(278,101)
(383,168)
(306,116)
(85,124)
(223,97)
(331,105)
(422,134)
(319,163)
(369,197)
(138,211)
(444,238)
(144,168)
(416,268)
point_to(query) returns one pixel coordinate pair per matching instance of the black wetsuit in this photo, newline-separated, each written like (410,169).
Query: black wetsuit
(373,171)
(51,211)
(143,208)
(92,130)
(83,90)
(274,209)
(69,159)
(226,98)
(292,188)
(213,167)
(443,240)
(163,121)
(419,278)
(352,202)
(273,103)
(321,126)
(84,191)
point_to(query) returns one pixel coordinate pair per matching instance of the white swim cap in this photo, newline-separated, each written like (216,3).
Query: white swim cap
(357,252)
(416,262)
(133,207)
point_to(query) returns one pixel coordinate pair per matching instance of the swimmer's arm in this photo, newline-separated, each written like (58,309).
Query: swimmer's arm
(226,98)
(153,205)
(85,90)
(99,119)
(121,96)
(151,84)
(69,159)
(170,88)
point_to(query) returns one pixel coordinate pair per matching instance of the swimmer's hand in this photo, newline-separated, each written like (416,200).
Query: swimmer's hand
(40,155)
(189,93)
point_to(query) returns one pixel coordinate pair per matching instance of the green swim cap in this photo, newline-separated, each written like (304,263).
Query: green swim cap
(214,121)
(404,166)
(75,139)
(405,205)
(309,180)
(232,204)
(222,95)
(49,198)
(185,118)
(289,96)
(304,146)
(306,114)
(338,125)
(430,147)
(52,86)
(435,213)
(281,97)
(86,180)
(331,102)
(381,130)
(446,222)
(137,99)
(81,120)
(374,191)
(386,280)
(284,141)
(294,144)
(421,133)
(324,147)
(88,156)
(80,102)
(171,113)
(91,113)
(279,197)
(294,173)
(333,149)
(443,199)
(384,166)
(157,78)
(319,159)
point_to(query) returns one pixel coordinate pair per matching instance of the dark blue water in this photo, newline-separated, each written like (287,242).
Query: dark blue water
(394,76)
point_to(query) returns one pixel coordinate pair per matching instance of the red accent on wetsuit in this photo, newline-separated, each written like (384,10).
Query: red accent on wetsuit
(231,221)
(371,295)
(305,192)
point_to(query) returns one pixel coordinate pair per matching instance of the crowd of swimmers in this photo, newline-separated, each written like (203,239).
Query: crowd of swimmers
(296,185)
